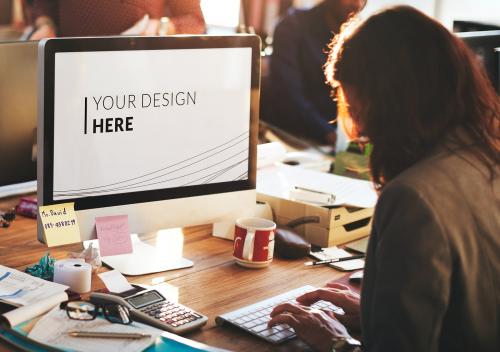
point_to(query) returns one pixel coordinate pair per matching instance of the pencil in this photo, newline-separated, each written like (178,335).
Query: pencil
(112,335)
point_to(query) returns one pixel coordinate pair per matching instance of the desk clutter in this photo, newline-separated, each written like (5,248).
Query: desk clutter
(348,219)
(337,258)
(342,206)
(129,318)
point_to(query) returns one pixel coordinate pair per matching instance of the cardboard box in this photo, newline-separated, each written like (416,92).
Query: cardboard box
(333,226)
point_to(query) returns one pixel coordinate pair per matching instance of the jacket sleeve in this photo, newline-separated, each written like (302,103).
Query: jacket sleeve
(408,273)
(287,85)
(154,8)
(186,16)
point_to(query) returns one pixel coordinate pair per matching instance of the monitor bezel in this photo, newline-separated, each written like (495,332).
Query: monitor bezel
(48,50)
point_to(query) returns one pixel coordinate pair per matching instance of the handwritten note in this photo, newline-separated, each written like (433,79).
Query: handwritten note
(59,224)
(113,235)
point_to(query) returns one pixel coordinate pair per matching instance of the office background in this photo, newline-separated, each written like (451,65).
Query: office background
(262,15)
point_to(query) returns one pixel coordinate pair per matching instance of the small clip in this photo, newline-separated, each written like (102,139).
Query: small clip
(312,196)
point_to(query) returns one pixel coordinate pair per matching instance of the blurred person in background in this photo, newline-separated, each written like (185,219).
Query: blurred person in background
(67,18)
(299,100)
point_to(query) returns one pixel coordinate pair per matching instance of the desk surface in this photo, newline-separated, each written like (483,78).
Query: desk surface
(214,285)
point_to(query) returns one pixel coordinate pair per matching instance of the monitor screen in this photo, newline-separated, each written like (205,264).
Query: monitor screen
(138,125)
(484,43)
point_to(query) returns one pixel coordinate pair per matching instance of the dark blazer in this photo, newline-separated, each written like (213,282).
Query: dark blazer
(432,275)
(299,100)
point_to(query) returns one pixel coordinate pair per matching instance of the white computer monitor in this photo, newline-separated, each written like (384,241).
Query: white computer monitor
(162,129)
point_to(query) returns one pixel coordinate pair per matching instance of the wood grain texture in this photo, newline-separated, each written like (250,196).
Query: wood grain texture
(215,285)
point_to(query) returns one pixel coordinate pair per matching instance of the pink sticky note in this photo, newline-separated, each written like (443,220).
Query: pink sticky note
(113,235)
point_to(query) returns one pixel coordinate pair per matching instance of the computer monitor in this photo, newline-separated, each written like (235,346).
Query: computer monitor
(484,44)
(18,117)
(473,26)
(162,129)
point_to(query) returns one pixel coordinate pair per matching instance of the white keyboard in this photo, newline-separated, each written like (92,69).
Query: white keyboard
(254,318)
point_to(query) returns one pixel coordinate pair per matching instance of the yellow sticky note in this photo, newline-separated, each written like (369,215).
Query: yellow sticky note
(59,224)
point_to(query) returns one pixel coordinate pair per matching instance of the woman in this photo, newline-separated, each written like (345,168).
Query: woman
(432,274)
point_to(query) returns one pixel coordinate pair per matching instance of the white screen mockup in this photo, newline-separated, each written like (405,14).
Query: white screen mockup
(149,119)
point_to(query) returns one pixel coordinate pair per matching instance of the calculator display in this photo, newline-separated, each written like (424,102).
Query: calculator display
(145,299)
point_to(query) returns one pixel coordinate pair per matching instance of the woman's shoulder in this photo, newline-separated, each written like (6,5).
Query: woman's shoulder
(448,169)
(452,184)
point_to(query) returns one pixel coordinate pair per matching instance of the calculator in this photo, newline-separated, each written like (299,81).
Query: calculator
(151,308)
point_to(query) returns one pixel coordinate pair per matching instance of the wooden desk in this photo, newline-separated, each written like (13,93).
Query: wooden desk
(214,285)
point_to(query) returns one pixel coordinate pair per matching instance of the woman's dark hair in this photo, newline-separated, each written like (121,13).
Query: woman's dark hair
(416,82)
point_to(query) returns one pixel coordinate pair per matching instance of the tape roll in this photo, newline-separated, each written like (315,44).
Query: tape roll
(74,273)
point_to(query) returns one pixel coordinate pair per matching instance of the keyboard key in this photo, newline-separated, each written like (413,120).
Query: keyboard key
(259,328)
(275,338)
(249,324)
(268,332)
(260,313)
(280,327)
(284,334)
(263,320)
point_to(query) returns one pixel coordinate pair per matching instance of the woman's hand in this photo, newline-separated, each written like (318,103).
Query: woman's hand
(44,31)
(315,327)
(341,296)
(44,28)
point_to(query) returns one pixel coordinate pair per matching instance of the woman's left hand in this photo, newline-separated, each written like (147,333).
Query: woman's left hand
(317,328)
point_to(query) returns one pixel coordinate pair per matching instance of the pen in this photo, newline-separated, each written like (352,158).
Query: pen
(312,190)
(109,335)
(334,260)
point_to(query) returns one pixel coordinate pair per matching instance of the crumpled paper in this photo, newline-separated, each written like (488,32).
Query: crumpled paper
(44,269)
(90,255)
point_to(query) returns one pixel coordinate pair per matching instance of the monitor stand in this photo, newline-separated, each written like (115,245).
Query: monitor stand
(146,258)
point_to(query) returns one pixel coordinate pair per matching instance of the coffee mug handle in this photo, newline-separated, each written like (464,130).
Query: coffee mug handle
(248,245)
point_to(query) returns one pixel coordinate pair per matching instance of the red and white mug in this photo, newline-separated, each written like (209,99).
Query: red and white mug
(254,241)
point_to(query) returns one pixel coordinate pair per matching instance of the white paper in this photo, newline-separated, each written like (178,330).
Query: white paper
(25,313)
(53,328)
(21,289)
(310,159)
(349,265)
(115,281)
(269,153)
(278,180)
(330,253)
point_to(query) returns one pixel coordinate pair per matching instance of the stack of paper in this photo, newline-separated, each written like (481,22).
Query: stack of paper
(33,295)
(279,180)
(20,289)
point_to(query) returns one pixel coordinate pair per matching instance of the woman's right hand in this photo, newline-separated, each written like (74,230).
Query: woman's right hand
(44,31)
(341,296)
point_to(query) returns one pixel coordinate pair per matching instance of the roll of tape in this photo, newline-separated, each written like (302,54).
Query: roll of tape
(74,273)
